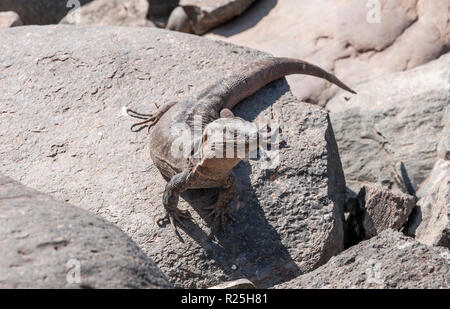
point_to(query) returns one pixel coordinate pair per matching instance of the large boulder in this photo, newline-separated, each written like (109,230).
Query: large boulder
(62,108)
(387,261)
(41,12)
(9,19)
(50,244)
(357,40)
(430,222)
(390,132)
(111,12)
(199,16)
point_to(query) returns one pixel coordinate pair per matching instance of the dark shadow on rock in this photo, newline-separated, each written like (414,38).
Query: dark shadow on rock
(354,225)
(40,12)
(410,227)
(408,183)
(249,247)
(248,19)
(414,220)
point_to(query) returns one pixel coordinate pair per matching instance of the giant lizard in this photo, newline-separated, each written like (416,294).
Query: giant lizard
(203,168)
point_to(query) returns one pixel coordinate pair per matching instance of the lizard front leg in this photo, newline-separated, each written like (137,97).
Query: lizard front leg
(174,187)
(220,209)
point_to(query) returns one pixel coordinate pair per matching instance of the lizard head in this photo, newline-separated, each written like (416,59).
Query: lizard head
(226,141)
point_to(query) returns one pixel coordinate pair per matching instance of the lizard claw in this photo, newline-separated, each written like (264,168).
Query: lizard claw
(221,214)
(175,217)
(149,120)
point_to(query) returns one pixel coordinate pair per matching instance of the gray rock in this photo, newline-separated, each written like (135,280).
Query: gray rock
(378,209)
(111,13)
(179,21)
(203,15)
(389,133)
(234,285)
(387,261)
(9,19)
(40,12)
(430,222)
(68,136)
(50,244)
(161,8)
(357,40)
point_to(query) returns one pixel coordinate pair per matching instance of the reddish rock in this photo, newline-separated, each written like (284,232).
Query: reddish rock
(344,37)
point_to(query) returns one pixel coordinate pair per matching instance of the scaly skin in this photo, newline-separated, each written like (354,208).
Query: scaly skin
(202,168)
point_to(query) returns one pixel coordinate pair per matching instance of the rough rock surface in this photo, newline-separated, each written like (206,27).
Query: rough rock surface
(389,260)
(111,12)
(344,36)
(389,133)
(9,19)
(378,209)
(40,12)
(50,244)
(203,15)
(431,220)
(67,135)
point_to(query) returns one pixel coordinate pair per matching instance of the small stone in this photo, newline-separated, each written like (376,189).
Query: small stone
(379,209)
(9,19)
(236,284)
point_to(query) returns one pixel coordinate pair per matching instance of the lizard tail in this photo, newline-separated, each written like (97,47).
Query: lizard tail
(306,68)
(258,74)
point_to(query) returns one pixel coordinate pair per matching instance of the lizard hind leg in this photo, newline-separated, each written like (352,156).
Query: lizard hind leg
(174,187)
(220,209)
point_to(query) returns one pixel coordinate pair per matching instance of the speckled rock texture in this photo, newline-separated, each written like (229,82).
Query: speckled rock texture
(9,19)
(391,131)
(62,102)
(111,13)
(387,261)
(41,12)
(357,40)
(51,244)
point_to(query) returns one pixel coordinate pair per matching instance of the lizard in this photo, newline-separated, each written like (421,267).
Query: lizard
(203,168)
